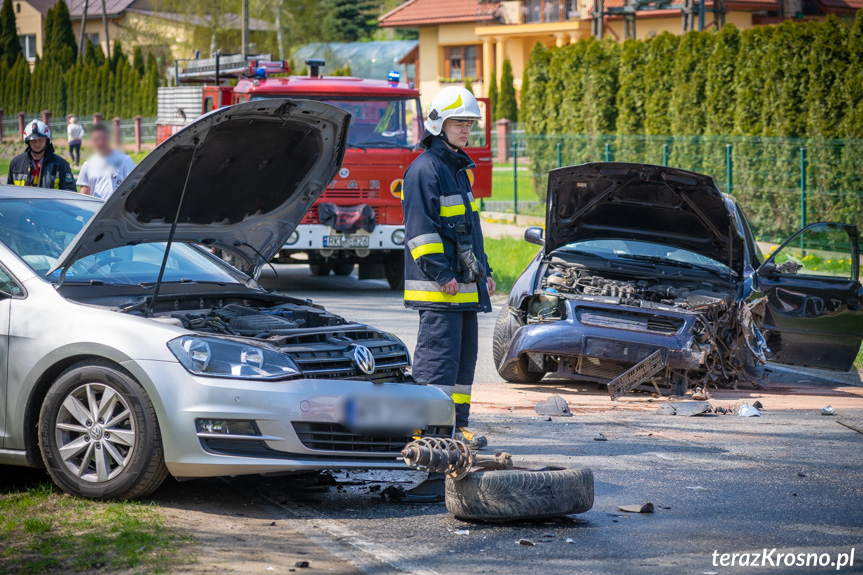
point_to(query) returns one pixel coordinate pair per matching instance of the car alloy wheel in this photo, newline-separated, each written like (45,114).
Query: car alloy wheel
(95,432)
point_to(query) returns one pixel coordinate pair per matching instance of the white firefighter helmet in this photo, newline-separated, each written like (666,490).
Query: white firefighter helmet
(451,102)
(37,129)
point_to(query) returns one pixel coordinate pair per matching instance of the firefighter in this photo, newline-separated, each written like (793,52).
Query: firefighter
(447,276)
(38,165)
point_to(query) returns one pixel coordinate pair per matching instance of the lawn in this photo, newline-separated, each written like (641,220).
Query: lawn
(508,258)
(501,186)
(43,530)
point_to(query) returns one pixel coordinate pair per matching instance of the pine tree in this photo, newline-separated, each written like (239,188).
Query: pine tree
(658,83)
(492,95)
(138,61)
(468,85)
(353,20)
(117,55)
(10,48)
(63,47)
(718,91)
(506,104)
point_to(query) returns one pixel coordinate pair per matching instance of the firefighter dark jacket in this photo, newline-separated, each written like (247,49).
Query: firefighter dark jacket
(440,211)
(56,173)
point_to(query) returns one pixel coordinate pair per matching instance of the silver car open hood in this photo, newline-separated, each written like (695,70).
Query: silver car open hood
(616,200)
(253,172)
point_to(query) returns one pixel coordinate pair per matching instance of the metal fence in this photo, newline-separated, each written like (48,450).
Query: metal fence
(781,183)
(58,127)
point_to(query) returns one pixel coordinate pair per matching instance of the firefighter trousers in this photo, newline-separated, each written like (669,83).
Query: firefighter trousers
(445,356)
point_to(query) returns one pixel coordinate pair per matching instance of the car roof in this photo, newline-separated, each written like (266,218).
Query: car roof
(32,193)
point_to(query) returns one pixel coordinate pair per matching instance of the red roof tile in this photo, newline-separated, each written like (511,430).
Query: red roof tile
(427,12)
(840,6)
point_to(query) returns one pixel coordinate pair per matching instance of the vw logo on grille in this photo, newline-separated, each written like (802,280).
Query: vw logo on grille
(364,359)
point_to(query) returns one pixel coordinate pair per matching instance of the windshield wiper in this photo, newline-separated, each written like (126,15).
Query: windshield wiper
(669,262)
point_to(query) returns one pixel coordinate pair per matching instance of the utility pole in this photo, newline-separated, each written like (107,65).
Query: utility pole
(105,25)
(245,39)
(82,47)
(597,21)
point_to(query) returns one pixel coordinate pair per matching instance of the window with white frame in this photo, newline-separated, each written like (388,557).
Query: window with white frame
(28,45)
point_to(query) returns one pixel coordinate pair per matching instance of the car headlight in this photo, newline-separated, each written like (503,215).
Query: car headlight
(398,237)
(216,357)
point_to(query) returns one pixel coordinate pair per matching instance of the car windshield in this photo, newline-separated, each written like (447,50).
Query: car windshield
(379,123)
(645,251)
(39,230)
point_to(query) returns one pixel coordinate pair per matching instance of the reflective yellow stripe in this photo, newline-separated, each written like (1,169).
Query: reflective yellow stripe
(457,210)
(454,105)
(19,182)
(425,249)
(460,398)
(439,296)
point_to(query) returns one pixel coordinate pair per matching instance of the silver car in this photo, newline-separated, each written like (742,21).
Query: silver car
(128,351)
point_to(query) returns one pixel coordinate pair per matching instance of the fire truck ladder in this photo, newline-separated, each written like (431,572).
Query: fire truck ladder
(211,70)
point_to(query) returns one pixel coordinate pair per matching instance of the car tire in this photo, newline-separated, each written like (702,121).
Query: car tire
(394,269)
(85,460)
(520,494)
(320,270)
(517,371)
(343,269)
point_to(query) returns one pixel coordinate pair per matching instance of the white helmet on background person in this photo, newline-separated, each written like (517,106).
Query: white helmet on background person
(37,129)
(451,102)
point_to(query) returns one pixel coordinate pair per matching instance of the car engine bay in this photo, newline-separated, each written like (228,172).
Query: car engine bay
(725,332)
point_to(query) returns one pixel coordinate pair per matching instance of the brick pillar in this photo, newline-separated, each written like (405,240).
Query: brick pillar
(97,118)
(118,135)
(21,122)
(138,132)
(46,117)
(504,132)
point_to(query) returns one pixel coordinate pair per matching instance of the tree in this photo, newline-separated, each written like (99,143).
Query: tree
(353,19)
(718,91)
(468,85)
(60,46)
(138,61)
(492,95)
(10,48)
(506,104)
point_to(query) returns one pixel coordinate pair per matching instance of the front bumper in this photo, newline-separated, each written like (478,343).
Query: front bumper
(572,338)
(316,237)
(299,422)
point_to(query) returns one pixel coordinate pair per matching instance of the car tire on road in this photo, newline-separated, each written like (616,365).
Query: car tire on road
(99,435)
(320,270)
(509,495)
(515,372)
(343,269)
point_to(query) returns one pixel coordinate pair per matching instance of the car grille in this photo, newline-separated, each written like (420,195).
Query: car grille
(629,321)
(327,354)
(334,437)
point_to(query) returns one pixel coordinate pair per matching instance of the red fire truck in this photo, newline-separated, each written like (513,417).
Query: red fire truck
(386,127)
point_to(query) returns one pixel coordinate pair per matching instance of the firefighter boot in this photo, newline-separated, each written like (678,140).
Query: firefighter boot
(472,440)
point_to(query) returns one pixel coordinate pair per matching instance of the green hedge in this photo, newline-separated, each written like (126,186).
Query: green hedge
(767,91)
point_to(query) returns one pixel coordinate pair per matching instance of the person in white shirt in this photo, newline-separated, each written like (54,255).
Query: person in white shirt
(74,133)
(106,169)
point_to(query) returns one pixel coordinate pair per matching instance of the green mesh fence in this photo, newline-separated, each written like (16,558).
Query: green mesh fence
(781,183)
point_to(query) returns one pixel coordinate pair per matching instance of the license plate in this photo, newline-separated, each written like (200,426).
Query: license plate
(385,416)
(346,241)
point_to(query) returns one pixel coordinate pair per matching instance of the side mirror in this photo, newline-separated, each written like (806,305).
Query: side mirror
(767,269)
(534,236)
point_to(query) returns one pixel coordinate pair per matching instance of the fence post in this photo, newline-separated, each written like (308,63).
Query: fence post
(504,133)
(138,134)
(514,176)
(118,135)
(559,147)
(1,124)
(729,169)
(803,187)
(665,154)
(21,121)
(607,152)
(46,117)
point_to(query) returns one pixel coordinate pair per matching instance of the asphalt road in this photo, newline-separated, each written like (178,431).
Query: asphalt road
(791,479)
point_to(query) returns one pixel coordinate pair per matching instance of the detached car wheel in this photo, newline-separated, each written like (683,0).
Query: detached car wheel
(515,372)
(99,436)
(511,495)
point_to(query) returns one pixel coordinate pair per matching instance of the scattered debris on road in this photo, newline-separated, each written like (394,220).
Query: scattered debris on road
(301,564)
(462,532)
(646,508)
(747,410)
(686,408)
(554,405)
(828,410)
(600,437)
(526,542)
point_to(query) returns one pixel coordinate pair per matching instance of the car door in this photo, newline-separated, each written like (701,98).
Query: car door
(9,289)
(814,316)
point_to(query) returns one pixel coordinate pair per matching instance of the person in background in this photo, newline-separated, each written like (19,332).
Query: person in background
(106,169)
(74,133)
(38,165)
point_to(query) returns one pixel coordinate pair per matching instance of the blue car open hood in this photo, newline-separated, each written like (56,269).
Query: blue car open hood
(614,200)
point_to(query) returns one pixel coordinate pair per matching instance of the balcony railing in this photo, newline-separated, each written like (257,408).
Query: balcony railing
(535,11)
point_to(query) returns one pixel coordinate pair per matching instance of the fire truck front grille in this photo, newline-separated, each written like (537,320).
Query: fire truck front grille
(312,216)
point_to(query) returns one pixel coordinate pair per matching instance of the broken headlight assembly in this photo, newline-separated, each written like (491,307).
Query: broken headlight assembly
(214,357)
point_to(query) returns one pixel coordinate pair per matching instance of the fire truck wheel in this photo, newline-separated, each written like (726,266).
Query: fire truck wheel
(343,269)
(395,271)
(320,269)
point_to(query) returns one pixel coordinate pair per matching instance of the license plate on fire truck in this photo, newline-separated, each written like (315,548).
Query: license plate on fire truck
(346,241)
